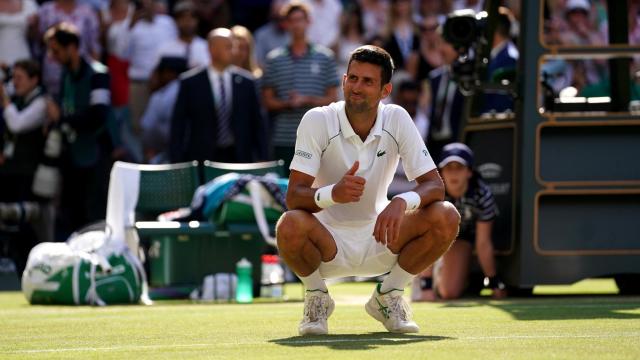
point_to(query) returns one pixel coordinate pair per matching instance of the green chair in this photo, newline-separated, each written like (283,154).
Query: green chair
(166,187)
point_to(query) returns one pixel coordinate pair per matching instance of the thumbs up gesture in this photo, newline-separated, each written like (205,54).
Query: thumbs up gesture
(350,187)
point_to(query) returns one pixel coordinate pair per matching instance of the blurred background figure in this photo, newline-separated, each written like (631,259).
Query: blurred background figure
(402,40)
(18,19)
(147,33)
(271,35)
(446,103)
(81,113)
(218,115)
(580,30)
(84,18)
(428,56)
(325,21)
(188,44)
(22,140)
(502,64)
(297,77)
(374,17)
(156,120)
(115,20)
(244,55)
(351,38)
(476,205)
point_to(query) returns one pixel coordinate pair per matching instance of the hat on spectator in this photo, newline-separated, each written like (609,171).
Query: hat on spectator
(573,5)
(457,152)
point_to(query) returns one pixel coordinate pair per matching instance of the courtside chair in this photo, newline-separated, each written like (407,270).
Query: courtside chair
(214,169)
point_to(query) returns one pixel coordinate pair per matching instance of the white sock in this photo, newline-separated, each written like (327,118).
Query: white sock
(397,279)
(314,281)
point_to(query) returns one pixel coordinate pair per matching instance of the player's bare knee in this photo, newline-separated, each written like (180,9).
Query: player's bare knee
(288,231)
(449,220)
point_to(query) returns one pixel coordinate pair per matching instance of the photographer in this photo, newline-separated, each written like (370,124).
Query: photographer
(23,117)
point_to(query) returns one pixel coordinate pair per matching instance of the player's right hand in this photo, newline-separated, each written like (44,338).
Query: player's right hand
(350,187)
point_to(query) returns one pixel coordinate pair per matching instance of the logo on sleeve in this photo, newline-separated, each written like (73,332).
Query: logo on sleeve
(304,154)
(425,152)
(380,153)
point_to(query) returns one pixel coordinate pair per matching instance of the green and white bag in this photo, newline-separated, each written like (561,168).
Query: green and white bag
(87,269)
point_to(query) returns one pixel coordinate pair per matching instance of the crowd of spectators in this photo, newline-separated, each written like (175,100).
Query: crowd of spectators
(156,81)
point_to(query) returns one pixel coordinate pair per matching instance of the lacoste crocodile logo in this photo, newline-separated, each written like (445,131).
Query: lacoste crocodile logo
(380,153)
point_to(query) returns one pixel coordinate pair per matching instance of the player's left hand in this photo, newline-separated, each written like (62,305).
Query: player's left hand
(387,229)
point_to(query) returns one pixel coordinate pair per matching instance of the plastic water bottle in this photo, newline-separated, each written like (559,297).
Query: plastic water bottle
(244,291)
(272,278)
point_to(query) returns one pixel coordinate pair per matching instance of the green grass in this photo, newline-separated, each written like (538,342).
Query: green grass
(542,327)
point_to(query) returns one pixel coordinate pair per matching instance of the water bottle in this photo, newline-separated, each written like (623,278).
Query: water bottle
(244,291)
(272,278)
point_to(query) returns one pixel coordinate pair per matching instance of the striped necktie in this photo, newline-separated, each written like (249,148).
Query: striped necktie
(225,136)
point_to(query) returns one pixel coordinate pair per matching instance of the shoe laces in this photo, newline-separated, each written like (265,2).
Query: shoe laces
(315,308)
(398,308)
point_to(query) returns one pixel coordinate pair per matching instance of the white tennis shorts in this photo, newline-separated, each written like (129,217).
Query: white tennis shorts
(359,254)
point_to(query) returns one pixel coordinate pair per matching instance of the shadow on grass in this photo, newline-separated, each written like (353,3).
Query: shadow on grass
(356,341)
(561,307)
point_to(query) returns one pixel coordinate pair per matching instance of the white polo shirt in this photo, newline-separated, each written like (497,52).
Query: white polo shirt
(327,146)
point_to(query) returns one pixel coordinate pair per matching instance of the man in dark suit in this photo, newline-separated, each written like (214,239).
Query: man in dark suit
(447,103)
(217,115)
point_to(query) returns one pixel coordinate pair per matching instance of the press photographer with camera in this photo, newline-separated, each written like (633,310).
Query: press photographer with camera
(23,118)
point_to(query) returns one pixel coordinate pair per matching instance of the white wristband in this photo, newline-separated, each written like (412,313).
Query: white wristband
(411,198)
(323,196)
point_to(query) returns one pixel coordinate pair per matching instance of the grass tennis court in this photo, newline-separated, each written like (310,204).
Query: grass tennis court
(550,326)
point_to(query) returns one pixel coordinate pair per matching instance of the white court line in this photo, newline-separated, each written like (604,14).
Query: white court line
(317,341)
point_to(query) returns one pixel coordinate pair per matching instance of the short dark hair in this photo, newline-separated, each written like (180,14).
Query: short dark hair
(64,33)
(31,67)
(375,55)
(295,6)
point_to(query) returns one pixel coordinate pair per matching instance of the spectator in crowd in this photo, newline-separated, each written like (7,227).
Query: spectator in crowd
(156,121)
(430,8)
(446,103)
(16,19)
(580,30)
(428,56)
(502,65)
(218,115)
(402,42)
(374,17)
(22,142)
(115,21)
(272,34)
(212,14)
(84,19)
(81,113)
(244,51)
(475,203)
(297,78)
(147,33)
(351,37)
(188,44)
(23,137)
(324,28)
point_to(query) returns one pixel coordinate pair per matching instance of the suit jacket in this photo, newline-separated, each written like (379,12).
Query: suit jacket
(393,48)
(456,107)
(194,121)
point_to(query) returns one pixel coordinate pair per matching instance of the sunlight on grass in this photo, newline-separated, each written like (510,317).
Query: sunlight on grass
(587,286)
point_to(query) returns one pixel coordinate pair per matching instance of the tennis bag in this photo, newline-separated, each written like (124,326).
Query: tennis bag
(87,269)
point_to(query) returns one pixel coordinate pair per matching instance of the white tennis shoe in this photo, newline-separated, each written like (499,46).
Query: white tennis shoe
(391,310)
(318,306)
